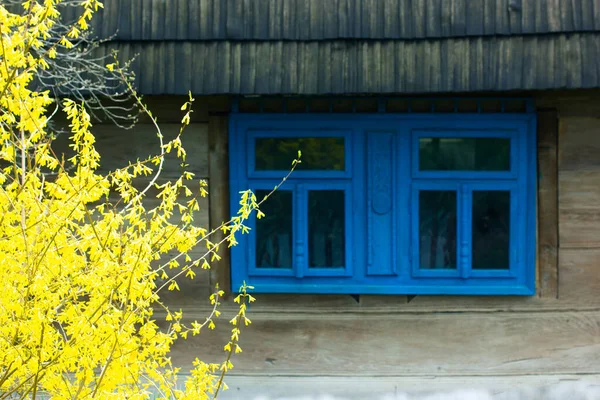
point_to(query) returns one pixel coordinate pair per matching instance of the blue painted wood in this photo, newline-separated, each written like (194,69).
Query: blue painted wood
(300,241)
(528,186)
(381,203)
(464,231)
(371,140)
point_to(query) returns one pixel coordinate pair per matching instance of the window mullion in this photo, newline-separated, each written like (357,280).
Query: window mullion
(464,230)
(300,230)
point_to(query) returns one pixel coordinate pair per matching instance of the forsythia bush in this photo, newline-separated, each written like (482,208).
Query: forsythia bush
(80,277)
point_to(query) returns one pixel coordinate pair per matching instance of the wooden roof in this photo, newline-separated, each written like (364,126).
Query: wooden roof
(355,46)
(342,19)
(340,67)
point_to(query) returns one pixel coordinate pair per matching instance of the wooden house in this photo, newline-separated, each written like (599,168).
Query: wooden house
(443,229)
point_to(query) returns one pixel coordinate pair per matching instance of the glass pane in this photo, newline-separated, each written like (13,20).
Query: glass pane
(464,154)
(437,229)
(326,233)
(491,229)
(274,230)
(322,153)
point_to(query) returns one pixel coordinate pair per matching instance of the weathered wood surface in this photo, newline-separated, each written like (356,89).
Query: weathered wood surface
(168,108)
(547,237)
(331,19)
(579,218)
(579,143)
(192,293)
(118,147)
(465,64)
(544,387)
(218,157)
(570,103)
(579,182)
(390,305)
(580,276)
(445,344)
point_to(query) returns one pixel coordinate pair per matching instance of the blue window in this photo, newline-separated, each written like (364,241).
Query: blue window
(387,204)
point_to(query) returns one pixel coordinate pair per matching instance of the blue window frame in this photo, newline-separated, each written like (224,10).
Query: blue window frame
(387,204)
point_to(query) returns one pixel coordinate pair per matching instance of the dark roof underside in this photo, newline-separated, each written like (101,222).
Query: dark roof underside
(351,66)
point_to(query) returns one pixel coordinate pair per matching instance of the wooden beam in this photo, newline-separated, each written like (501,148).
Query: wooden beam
(218,193)
(436,344)
(548,203)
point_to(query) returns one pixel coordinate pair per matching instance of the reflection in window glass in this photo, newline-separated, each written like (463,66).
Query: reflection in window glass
(274,230)
(326,234)
(322,153)
(491,229)
(464,154)
(437,229)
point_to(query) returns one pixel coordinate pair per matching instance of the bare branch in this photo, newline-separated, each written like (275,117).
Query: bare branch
(81,73)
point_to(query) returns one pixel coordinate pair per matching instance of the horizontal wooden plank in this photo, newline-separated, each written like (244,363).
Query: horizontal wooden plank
(413,388)
(579,280)
(118,147)
(579,228)
(579,190)
(191,292)
(570,103)
(579,209)
(281,344)
(144,143)
(347,304)
(579,143)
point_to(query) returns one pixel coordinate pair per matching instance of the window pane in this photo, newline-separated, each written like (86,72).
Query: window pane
(323,153)
(326,233)
(491,229)
(464,154)
(437,229)
(274,230)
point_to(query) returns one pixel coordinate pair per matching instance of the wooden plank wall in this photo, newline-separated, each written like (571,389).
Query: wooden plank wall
(579,200)
(463,338)
(425,344)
